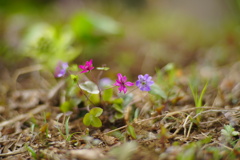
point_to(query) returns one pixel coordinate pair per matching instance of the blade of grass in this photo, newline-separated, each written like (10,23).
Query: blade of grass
(201,95)
(67,127)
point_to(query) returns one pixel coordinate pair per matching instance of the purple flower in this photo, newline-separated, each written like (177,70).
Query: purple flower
(105,82)
(87,67)
(61,69)
(144,82)
(122,83)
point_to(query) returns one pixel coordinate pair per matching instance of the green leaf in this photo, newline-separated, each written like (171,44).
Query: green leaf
(74,67)
(87,119)
(118,108)
(118,115)
(103,68)
(86,25)
(118,135)
(136,113)
(60,131)
(201,95)
(194,93)
(31,151)
(66,106)
(70,136)
(188,154)
(127,99)
(74,77)
(156,90)
(96,112)
(48,44)
(107,94)
(95,98)
(131,132)
(90,87)
(235,133)
(96,122)
(118,101)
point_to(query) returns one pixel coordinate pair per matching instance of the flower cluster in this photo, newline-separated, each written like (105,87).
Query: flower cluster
(144,82)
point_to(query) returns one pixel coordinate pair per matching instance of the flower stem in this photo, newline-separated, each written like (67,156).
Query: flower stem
(132,90)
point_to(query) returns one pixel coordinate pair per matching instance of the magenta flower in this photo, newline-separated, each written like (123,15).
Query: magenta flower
(87,67)
(122,83)
(144,82)
(61,69)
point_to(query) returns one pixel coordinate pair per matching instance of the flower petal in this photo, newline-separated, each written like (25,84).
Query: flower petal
(121,88)
(90,61)
(146,76)
(140,77)
(81,66)
(138,83)
(119,77)
(145,88)
(117,84)
(150,83)
(64,65)
(149,78)
(60,69)
(124,79)
(84,71)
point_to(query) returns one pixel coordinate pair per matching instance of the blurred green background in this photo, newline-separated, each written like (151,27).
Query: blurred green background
(129,36)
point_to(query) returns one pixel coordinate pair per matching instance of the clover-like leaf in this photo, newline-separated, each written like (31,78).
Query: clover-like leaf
(92,119)
(96,122)
(87,119)
(96,112)
(90,87)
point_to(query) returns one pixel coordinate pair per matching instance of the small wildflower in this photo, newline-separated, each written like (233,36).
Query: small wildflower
(122,83)
(144,82)
(87,67)
(105,82)
(61,69)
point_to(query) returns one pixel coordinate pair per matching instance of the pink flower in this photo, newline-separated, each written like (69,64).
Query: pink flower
(87,67)
(122,83)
